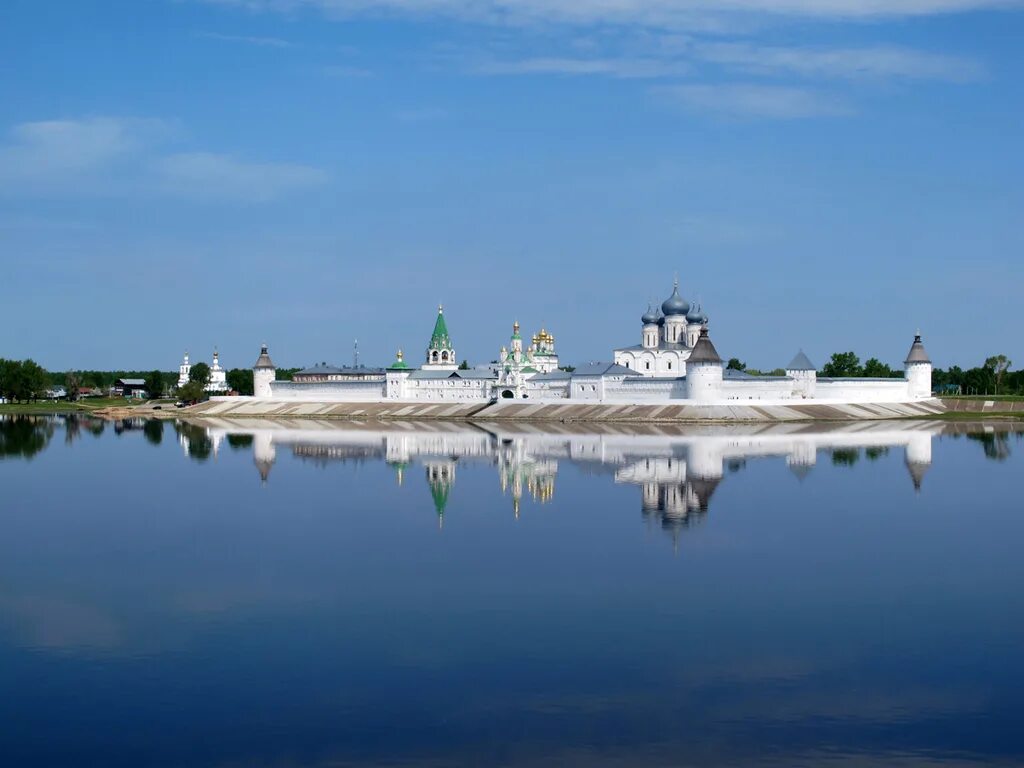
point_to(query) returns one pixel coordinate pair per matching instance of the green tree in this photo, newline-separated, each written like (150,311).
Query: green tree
(153,429)
(735,364)
(240,442)
(845,457)
(998,365)
(200,373)
(73,384)
(192,392)
(30,380)
(155,384)
(842,364)
(240,380)
(876,369)
(464,365)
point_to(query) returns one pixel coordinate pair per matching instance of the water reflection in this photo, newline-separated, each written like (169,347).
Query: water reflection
(23,437)
(676,469)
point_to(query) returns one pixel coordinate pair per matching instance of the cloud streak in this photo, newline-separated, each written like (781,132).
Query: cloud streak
(624,68)
(746,100)
(662,13)
(207,176)
(871,62)
(114,156)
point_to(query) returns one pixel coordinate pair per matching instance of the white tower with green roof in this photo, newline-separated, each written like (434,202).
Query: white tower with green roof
(440,352)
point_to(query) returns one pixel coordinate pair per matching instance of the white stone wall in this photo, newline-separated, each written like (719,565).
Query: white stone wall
(639,390)
(341,392)
(448,390)
(758,389)
(547,390)
(864,390)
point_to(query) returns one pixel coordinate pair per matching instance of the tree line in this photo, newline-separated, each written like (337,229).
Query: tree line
(991,377)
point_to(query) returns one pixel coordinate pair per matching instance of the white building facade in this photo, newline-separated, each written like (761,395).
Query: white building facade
(218,381)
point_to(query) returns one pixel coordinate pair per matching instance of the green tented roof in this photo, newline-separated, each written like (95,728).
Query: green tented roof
(439,339)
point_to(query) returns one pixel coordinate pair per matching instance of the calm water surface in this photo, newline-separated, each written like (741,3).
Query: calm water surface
(310,594)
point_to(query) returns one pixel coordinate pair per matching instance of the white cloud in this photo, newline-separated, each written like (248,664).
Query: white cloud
(877,62)
(613,67)
(645,12)
(209,176)
(747,100)
(49,152)
(123,156)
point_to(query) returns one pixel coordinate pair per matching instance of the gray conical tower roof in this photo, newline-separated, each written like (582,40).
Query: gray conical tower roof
(704,351)
(917,472)
(800,363)
(263,361)
(917,353)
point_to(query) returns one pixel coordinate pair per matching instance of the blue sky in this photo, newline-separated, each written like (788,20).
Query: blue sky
(825,174)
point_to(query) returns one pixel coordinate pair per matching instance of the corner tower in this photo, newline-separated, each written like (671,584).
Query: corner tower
(263,374)
(918,370)
(704,370)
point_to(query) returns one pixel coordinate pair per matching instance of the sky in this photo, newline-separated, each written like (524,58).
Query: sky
(821,174)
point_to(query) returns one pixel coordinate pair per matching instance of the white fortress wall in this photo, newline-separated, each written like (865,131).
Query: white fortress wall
(863,390)
(452,390)
(329,392)
(640,390)
(758,389)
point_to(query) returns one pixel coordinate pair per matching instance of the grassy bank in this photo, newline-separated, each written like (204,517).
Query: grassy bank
(995,398)
(88,405)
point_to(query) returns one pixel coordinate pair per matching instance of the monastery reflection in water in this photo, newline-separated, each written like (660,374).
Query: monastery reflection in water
(677,469)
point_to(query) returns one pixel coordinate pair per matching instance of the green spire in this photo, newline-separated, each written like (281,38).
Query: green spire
(440,491)
(439,339)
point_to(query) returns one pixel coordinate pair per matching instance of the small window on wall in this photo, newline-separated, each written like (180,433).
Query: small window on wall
(670,365)
(647,366)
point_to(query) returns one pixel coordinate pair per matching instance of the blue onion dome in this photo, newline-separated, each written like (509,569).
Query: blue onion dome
(675,304)
(650,317)
(696,316)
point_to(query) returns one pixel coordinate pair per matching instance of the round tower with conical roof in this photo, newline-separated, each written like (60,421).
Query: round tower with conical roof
(918,370)
(704,370)
(263,375)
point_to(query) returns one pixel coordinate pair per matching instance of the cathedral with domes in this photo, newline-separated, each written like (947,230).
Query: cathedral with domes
(670,333)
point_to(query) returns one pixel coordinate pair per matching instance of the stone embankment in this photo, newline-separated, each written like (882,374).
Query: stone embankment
(564,412)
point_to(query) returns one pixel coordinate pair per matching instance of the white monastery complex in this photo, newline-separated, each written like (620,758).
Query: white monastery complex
(674,363)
